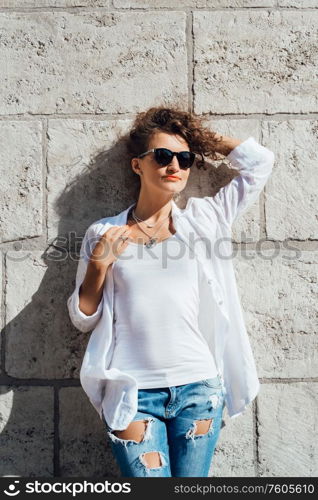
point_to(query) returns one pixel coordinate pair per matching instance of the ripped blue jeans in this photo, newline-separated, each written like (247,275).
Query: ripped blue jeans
(177,433)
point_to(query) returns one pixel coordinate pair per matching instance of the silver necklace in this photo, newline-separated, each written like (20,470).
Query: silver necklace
(152,240)
(146,223)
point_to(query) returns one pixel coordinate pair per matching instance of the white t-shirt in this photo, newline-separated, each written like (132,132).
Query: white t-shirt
(156,303)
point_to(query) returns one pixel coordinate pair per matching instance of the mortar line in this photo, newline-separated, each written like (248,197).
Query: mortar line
(275,116)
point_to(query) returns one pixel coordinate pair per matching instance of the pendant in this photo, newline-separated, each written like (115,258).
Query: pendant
(151,242)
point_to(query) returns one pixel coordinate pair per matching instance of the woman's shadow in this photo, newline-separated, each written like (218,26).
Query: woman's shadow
(48,427)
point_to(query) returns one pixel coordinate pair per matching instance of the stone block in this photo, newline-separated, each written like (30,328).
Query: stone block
(287,428)
(291,199)
(92,62)
(26,431)
(255,61)
(21,179)
(41,341)
(279,293)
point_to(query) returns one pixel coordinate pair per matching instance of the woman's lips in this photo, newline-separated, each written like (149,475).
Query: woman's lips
(171,177)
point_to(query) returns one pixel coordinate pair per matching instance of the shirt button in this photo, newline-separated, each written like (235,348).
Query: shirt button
(210,282)
(220,302)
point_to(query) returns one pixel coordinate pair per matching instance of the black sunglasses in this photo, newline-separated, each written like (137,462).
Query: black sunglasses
(163,156)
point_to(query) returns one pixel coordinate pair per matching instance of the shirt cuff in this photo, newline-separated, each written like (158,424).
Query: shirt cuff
(79,319)
(249,152)
(81,314)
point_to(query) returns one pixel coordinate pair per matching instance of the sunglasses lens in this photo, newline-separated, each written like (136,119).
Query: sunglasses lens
(186,158)
(164,156)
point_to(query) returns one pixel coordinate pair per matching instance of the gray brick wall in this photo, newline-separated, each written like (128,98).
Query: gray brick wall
(73,74)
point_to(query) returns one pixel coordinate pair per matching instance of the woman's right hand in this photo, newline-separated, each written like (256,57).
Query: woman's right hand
(109,247)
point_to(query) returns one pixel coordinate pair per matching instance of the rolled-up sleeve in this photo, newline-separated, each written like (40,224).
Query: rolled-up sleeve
(254,163)
(80,320)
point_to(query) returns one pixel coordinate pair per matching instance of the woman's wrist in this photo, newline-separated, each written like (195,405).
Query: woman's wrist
(226,144)
(98,265)
(91,290)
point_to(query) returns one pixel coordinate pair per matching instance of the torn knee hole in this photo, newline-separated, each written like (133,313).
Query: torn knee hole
(136,432)
(152,459)
(202,426)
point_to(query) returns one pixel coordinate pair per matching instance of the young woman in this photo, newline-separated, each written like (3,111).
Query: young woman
(157,283)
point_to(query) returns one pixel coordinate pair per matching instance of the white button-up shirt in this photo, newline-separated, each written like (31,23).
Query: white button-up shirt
(205,225)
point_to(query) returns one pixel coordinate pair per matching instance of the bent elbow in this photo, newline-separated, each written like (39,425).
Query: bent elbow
(80,320)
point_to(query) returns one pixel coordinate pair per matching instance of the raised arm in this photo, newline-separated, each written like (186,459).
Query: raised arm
(254,163)
(226,145)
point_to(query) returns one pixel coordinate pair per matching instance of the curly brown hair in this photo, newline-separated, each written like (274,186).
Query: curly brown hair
(201,140)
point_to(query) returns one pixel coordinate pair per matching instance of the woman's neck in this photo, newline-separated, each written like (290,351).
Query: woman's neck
(151,215)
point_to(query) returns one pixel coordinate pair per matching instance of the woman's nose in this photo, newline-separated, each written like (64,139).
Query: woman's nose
(174,163)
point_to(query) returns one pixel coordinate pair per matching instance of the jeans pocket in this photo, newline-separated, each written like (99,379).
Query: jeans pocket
(213,383)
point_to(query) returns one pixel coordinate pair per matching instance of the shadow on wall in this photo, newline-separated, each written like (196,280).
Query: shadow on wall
(48,427)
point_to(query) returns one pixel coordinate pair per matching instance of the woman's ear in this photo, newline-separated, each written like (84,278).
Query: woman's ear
(135,166)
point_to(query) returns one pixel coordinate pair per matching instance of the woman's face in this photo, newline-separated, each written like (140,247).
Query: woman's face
(152,175)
